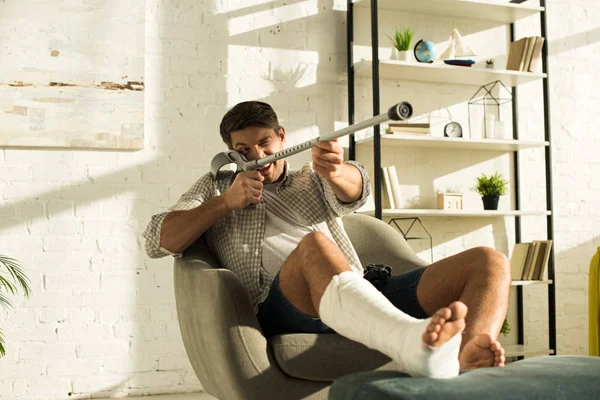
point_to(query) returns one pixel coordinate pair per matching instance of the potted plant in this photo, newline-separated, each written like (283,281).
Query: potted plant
(491,188)
(505,330)
(12,278)
(402,41)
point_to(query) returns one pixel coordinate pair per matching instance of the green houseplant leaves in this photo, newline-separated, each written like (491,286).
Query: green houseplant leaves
(12,279)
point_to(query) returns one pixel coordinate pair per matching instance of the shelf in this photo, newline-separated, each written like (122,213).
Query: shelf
(441,73)
(410,212)
(453,143)
(527,283)
(487,10)
(517,350)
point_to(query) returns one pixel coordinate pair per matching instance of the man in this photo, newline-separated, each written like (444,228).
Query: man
(280,231)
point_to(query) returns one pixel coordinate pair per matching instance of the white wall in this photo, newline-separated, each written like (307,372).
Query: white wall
(101,320)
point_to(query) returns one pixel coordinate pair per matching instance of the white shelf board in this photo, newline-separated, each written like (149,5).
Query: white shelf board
(438,72)
(516,350)
(409,140)
(412,212)
(488,10)
(527,283)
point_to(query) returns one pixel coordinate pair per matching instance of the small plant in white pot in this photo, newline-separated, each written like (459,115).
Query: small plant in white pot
(401,42)
(491,188)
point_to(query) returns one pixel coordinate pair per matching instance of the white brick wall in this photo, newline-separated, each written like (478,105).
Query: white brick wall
(102,321)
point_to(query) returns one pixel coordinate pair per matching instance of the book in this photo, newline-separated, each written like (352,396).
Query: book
(530,45)
(395,184)
(517,260)
(416,128)
(522,65)
(515,53)
(528,260)
(388,187)
(409,124)
(537,54)
(541,261)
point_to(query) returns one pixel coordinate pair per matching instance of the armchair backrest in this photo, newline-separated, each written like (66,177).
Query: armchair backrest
(376,242)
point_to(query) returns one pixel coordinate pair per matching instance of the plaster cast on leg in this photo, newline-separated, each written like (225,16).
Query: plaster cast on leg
(357,310)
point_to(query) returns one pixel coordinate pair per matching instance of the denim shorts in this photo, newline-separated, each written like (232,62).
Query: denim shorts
(276,315)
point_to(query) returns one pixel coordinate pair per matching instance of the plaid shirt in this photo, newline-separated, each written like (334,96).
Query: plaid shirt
(237,238)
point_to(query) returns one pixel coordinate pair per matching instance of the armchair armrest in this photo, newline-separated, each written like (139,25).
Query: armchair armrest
(221,333)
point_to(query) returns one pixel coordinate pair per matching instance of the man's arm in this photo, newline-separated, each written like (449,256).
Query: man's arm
(348,186)
(182,228)
(179,228)
(345,179)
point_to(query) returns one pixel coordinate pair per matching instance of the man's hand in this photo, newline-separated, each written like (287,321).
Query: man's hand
(245,190)
(328,159)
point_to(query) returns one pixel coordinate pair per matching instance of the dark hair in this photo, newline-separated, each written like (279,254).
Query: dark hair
(247,114)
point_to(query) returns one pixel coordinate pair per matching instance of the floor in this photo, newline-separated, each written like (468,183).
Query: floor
(191,396)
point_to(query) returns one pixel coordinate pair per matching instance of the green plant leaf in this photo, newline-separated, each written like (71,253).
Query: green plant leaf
(402,39)
(12,278)
(2,349)
(494,185)
(18,275)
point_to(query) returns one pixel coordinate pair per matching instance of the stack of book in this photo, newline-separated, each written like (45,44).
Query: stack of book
(408,128)
(530,260)
(392,196)
(525,54)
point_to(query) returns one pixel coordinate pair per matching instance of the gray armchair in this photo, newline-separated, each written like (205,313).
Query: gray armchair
(226,347)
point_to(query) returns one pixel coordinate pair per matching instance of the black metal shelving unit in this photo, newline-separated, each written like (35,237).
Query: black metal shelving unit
(377,178)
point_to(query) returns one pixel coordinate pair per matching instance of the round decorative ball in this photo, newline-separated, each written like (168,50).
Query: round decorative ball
(425,51)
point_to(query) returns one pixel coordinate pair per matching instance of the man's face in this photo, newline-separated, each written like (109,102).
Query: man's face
(257,142)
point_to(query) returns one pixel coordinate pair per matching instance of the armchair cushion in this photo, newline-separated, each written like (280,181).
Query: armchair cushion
(325,357)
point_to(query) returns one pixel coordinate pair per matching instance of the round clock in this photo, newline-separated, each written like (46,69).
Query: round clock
(453,129)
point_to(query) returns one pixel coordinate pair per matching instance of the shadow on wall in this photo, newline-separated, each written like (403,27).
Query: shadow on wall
(191,80)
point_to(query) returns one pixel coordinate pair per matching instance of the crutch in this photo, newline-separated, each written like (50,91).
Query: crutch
(399,112)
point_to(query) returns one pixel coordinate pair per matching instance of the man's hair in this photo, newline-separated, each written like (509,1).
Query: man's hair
(248,114)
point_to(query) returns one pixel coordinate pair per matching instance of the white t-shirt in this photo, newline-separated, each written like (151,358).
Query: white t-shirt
(284,228)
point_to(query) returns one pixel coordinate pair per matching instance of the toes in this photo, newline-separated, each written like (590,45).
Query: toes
(430,337)
(458,309)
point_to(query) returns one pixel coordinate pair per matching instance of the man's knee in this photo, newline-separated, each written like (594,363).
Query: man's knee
(493,262)
(315,242)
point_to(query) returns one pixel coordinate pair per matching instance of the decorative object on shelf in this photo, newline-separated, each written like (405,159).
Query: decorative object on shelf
(450,201)
(401,42)
(456,50)
(425,51)
(405,234)
(10,283)
(489,64)
(491,188)
(491,96)
(460,63)
(453,129)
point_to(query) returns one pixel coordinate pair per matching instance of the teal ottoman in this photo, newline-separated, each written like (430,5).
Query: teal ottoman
(551,377)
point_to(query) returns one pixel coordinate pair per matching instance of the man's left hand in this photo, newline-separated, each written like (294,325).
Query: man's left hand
(328,159)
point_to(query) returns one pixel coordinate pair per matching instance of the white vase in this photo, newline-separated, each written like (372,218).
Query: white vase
(406,55)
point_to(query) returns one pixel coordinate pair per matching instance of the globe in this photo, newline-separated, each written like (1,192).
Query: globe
(425,51)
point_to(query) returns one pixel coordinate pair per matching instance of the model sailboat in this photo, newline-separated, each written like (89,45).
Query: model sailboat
(456,49)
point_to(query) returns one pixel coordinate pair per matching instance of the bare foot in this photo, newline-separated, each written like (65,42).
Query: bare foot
(481,351)
(445,324)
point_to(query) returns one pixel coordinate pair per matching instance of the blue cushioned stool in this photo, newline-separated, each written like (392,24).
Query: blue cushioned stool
(550,377)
